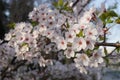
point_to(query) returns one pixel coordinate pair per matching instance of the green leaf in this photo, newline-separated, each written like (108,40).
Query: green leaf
(96,48)
(24,44)
(106,16)
(111,14)
(66,4)
(55,4)
(103,17)
(34,23)
(109,20)
(11,25)
(60,3)
(88,52)
(107,61)
(105,51)
(68,9)
(80,34)
(117,20)
(101,38)
(118,49)
(67,24)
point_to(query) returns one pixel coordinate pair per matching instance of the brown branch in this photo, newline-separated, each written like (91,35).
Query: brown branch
(88,1)
(108,44)
(83,5)
(75,3)
(104,26)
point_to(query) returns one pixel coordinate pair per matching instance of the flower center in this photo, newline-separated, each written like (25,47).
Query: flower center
(70,36)
(80,43)
(88,42)
(62,42)
(90,33)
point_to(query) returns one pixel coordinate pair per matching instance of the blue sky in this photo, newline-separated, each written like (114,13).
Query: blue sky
(115,30)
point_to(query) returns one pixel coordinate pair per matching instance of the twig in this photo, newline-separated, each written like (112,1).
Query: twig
(110,53)
(88,1)
(108,44)
(74,4)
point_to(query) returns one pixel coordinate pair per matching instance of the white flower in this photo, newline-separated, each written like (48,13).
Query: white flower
(78,44)
(28,38)
(42,62)
(96,58)
(87,16)
(24,49)
(54,37)
(69,52)
(42,28)
(35,34)
(60,19)
(75,28)
(90,44)
(69,36)
(8,36)
(61,44)
(27,28)
(20,26)
(91,32)
(48,33)
(100,30)
(19,36)
(51,24)
(80,26)
(1,41)
(82,59)
(51,16)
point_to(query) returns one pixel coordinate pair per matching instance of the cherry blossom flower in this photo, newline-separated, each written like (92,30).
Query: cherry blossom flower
(48,33)
(27,28)
(20,26)
(69,36)
(61,44)
(91,32)
(20,37)
(96,58)
(24,49)
(69,52)
(52,36)
(82,59)
(78,44)
(90,44)
(1,41)
(41,28)
(28,38)
(8,36)
(42,62)
(75,28)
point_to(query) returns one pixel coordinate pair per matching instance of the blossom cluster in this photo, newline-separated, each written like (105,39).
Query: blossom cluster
(61,44)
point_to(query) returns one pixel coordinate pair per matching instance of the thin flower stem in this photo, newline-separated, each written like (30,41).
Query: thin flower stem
(110,53)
